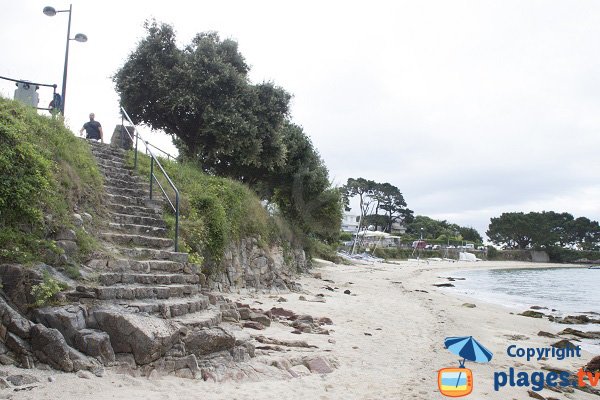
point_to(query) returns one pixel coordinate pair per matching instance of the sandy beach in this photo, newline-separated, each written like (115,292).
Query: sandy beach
(386,342)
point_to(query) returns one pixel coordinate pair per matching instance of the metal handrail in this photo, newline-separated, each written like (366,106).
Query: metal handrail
(153,177)
(36,84)
(169,156)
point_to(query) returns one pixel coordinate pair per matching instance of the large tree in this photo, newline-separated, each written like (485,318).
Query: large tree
(381,204)
(202,95)
(545,229)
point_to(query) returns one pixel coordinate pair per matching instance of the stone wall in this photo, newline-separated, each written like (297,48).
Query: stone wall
(246,264)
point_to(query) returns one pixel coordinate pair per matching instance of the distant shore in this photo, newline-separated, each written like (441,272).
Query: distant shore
(387,339)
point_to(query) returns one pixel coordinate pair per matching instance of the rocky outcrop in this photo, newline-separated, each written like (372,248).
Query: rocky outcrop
(246,264)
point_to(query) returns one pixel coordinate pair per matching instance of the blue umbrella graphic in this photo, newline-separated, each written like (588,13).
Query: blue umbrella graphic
(469,349)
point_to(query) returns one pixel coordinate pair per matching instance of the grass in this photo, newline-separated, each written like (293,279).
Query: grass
(214,212)
(45,174)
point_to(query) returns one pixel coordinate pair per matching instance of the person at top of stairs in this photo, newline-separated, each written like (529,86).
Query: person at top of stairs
(93,129)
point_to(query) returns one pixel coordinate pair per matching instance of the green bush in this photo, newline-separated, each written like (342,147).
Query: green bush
(44,171)
(45,291)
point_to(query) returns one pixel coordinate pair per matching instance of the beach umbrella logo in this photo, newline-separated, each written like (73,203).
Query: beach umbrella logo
(458,382)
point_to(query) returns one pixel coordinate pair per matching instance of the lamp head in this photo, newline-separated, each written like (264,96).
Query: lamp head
(80,37)
(49,11)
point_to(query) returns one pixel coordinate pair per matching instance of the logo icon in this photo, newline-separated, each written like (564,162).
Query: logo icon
(458,382)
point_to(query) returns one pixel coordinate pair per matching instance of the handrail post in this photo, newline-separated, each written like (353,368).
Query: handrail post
(176,221)
(122,128)
(151,174)
(136,150)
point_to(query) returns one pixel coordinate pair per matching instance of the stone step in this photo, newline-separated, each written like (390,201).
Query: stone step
(131,292)
(170,308)
(109,163)
(133,201)
(137,220)
(166,262)
(132,181)
(141,211)
(144,254)
(126,191)
(107,155)
(134,229)
(122,174)
(111,278)
(137,240)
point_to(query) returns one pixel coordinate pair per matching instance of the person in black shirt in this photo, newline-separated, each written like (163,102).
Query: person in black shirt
(93,129)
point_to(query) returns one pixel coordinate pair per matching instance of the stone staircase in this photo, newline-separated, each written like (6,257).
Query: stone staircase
(143,274)
(143,304)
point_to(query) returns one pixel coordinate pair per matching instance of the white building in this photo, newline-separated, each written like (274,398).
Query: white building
(350,222)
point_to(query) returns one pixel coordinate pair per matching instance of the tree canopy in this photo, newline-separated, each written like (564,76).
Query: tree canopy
(517,230)
(202,96)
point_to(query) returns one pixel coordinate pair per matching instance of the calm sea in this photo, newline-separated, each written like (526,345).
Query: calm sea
(566,290)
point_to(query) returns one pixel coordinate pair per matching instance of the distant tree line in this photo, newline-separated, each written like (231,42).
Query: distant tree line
(202,96)
(547,229)
(441,230)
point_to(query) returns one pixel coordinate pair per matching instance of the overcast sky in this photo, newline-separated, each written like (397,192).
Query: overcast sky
(471,108)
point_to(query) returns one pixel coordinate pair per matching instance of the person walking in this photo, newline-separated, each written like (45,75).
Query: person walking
(93,129)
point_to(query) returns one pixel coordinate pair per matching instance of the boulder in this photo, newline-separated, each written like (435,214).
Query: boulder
(17,281)
(69,246)
(95,343)
(202,342)
(318,365)
(260,317)
(282,312)
(66,234)
(253,325)
(121,137)
(564,344)
(13,321)
(547,334)
(147,338)
(67,320)
(22,379)
(581,334)
(594,364)
(532,314)
(50,347)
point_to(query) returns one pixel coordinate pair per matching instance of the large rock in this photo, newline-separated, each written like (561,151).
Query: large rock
(67,320)
(147,338)
(50,347)
(13,321)
(121,138)
(96,344)
(202,342)
(16,284)
(594,364)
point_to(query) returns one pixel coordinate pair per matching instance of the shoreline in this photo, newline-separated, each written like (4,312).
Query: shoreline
(386,342)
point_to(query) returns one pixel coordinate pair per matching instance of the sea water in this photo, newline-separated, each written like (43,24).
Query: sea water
(563,291)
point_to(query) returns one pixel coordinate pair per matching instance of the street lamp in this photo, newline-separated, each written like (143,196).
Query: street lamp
(80,37)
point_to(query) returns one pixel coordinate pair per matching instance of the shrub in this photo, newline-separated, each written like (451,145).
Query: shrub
(45,291)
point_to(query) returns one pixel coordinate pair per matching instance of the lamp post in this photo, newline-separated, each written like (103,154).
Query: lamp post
(80,37)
